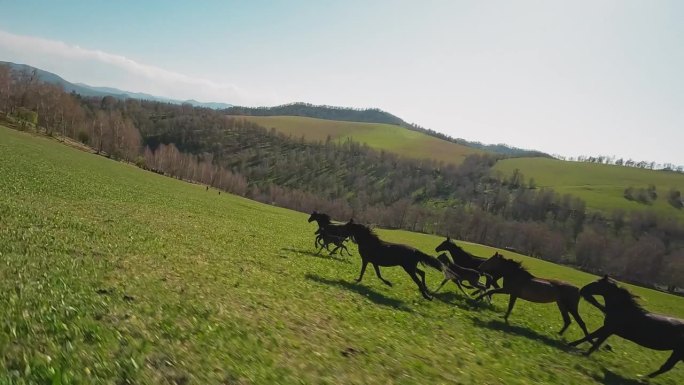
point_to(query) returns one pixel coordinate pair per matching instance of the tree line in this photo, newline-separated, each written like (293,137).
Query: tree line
(613,160)
(349,179)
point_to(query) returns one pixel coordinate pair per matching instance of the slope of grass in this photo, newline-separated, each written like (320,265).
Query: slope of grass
(601,186)
(381,136)
(110,274)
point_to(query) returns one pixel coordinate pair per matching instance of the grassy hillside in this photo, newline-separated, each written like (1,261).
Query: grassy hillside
(111,274)
(601,186)
(381,136)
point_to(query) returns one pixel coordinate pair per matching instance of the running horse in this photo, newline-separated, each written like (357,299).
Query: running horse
(328,233)
(520,283)
(625,317)
(377,252)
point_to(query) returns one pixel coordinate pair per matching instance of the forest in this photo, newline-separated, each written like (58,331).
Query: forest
(468,202)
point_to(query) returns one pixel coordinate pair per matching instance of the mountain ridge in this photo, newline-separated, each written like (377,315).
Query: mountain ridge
(102,91)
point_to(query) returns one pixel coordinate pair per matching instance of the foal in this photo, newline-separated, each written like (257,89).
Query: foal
(460,275)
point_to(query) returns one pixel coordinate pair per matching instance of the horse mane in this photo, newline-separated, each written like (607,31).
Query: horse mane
(459,250)
(324,217)
(366,231)
(516,266)
(626,297)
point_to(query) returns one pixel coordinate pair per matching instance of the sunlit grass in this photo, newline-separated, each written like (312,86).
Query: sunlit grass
(111,274)
(601,186)
(380,136)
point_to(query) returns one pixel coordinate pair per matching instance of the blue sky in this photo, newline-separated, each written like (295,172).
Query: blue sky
(575,77)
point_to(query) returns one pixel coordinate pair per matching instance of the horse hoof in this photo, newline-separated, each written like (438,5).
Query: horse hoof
(388,283)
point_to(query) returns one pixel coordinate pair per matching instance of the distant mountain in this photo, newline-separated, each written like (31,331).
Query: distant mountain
(91,91)
(373,115)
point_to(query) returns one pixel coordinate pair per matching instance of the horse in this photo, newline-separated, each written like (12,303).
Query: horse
(324,240)
(520,283)
(460,275)
(381,253)
(625,317)
(467,260)
(330,229)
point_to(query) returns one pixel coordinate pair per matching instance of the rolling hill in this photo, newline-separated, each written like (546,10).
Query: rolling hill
(112,274)
(381,136)
(601,186)
(86,90)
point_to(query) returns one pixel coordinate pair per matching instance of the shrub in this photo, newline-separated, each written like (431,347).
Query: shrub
(83,137)
(675,199)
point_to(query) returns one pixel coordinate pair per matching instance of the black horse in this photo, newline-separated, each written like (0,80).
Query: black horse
(467,260)
(380,253)
(626,318)
(520,283)
(328,232)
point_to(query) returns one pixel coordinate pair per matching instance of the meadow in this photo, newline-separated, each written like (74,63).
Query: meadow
(601,186)
(110,275)
(386,137)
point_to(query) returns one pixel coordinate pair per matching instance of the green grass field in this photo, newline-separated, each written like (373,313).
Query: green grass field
(387,137)
(601,186)
(113,275)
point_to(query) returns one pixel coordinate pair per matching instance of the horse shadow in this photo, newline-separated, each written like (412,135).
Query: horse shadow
(312,254)
(523,332)
(453,298)
(612,378)
(372,295)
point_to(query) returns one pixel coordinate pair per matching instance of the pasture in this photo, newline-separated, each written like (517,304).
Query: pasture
(601,186)
(111,274)
(386,137)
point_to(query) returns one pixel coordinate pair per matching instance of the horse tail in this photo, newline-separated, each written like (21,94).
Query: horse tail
(429,260)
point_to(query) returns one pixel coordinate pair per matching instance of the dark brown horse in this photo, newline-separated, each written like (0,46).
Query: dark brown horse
(380,253)
(520,283)
(460,275)
(627,319)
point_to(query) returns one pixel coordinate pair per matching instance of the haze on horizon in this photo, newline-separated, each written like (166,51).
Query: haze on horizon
(571,78)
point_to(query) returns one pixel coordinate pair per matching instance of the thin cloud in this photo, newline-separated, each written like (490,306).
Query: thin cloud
(152,79)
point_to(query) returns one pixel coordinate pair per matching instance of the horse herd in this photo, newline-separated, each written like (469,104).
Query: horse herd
(624,316)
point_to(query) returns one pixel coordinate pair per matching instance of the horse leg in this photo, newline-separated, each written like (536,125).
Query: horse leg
(588,337)
(364,263)
(489,293)
(441,285)
(511,303)
(461,287)
(422,276)
(575,314)
(480,287)
(599,340)
(566,317)
(669,364)
(377,272)
(345,249)
(411,271)
(489,282)
(335,250)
